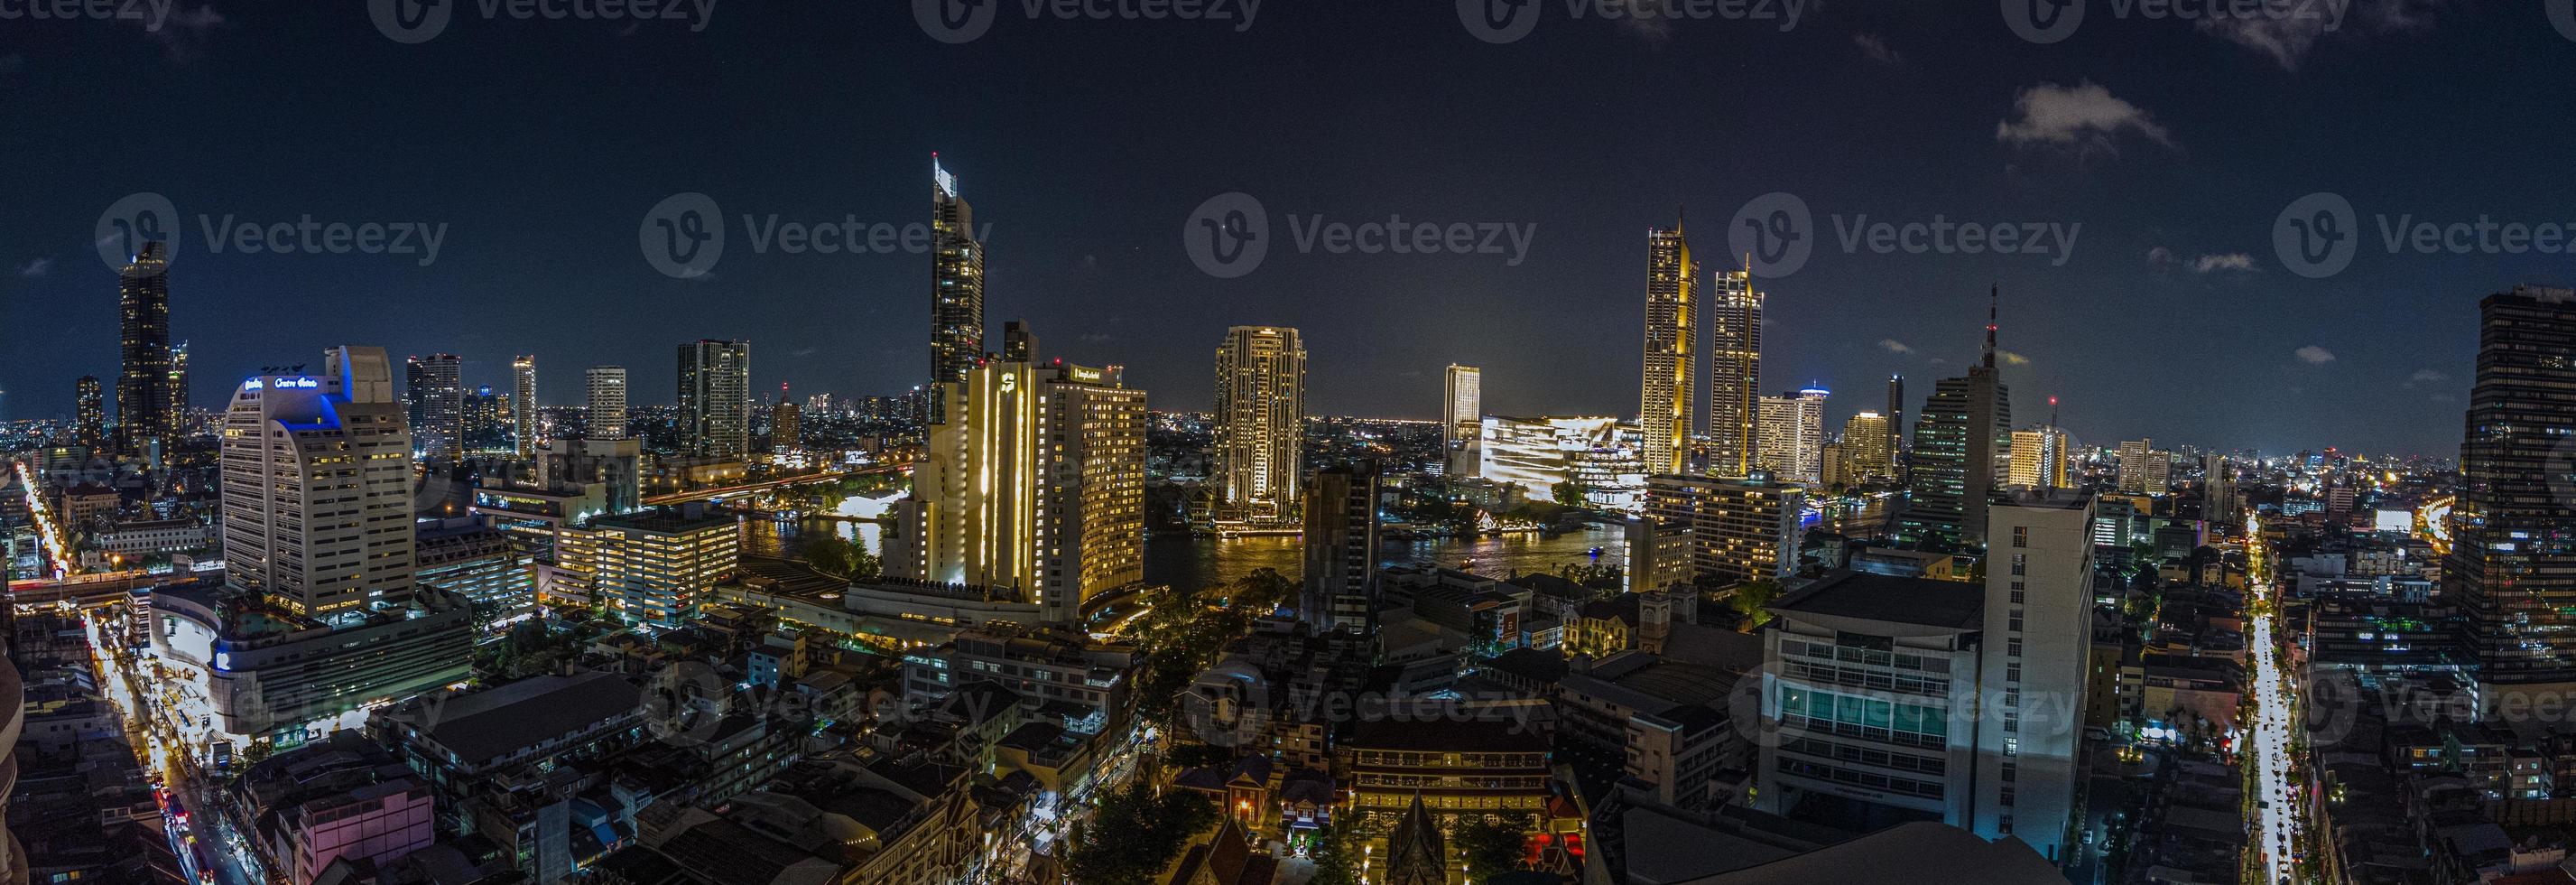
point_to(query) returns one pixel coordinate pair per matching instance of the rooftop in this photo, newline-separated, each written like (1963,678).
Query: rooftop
(493,723)
(1952,604)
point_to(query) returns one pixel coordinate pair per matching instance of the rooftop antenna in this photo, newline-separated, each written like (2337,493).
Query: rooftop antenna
(1994,298)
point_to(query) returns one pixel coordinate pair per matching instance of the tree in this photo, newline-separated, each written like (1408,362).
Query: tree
(1134,834)
(1568,493)
(1493,845)
(1337,849)
(839,557)
(1752,599)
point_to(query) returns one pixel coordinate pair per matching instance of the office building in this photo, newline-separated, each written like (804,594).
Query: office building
(1736,423)
(653,568)
(1461,419)
(956,281)
(1672,341)
(143,397)
(178,421)
(2219,499)
(715,399)
(523,405)
(1896,424)
(2037,646)
(481,565)
(319,519)
(1590,457)
(1790,437)
(1341,550)
(786,427)
(1260,426)
(436,395)
(1019,344)
(1866,454)
(605,417)
(2139,473)
(1034,485)
(487,420)
(2039,458)
(1962,448)
(1738,529)
(89,412)
(2512,568)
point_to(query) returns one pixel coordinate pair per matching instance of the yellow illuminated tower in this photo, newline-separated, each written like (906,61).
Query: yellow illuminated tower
(1672,336)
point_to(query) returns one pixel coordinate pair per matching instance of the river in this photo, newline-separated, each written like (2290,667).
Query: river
(1192,563)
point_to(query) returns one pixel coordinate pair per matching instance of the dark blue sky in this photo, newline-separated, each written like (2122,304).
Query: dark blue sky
(1086,145)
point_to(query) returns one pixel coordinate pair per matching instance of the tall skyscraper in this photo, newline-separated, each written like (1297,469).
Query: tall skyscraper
(143,378)
(325,528)
(956,281)
(2134,457)
(1341,591)
(1896,423)
(1035,483)
(89,410)
(1019,345)
(1790,436)
(178,420)
(437,397)
(2039,458)
(1866,454)
(2038,639)
(606,415)
(1962,447)
(1462,418)
(715,398)
(786,427)
(1260,426)
(2512,565)
(2218,489)
(523,404)
(1672,339)
(1735,378)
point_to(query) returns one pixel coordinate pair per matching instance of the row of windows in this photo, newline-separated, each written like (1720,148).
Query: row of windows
(1870,780)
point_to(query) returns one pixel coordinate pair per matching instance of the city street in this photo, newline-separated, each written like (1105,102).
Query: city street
(2277,796)
(199,834)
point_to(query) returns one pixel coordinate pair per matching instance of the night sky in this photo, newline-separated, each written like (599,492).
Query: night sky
(1086,145)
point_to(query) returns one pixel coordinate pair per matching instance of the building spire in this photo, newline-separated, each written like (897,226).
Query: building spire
(1994,299)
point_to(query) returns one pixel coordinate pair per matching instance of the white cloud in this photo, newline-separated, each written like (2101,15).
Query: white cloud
(2426,376)
(2081,116)
(1892,345)
(36,268)
(2162,258)
(1876,49)
(2314,355)
(2013,359)
(2287,40)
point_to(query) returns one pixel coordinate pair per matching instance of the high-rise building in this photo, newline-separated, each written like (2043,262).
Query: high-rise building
(1019,345)
(2218,488)
(956,281)
(320,519)
(653,568)
(89,409)
(1735,418)
(2512,565)
(1896,424)
(1260,426)
(2135,456)
(1035,483)
(1462,404)
(1866,456)
(143,377)
(523,404)
(715,398)
(1672,339)
(178,421)
(487,420)
(786,433)
(2039,458)
(1341,591)
(1962,447)
(437,397)
(1791,435)
(2037,644)
(606,415)
(1738,528)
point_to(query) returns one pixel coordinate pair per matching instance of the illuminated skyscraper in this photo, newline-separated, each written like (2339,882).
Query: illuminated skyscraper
(1739,528)
(1019,345)
(143,378)
(437,397)
(1962,447)
(1896,425)
(2039,458)
(606,414)
(1672,339)
(786,427)
(89,412)
(956,281)
(1035,482)
(715,398)
(1791,435)
(1462,416)
(1340,583)
(2512,565)
(1735,378)
(523,404)
(1260,426)
(324,524)
(178,422)
(1865,449)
